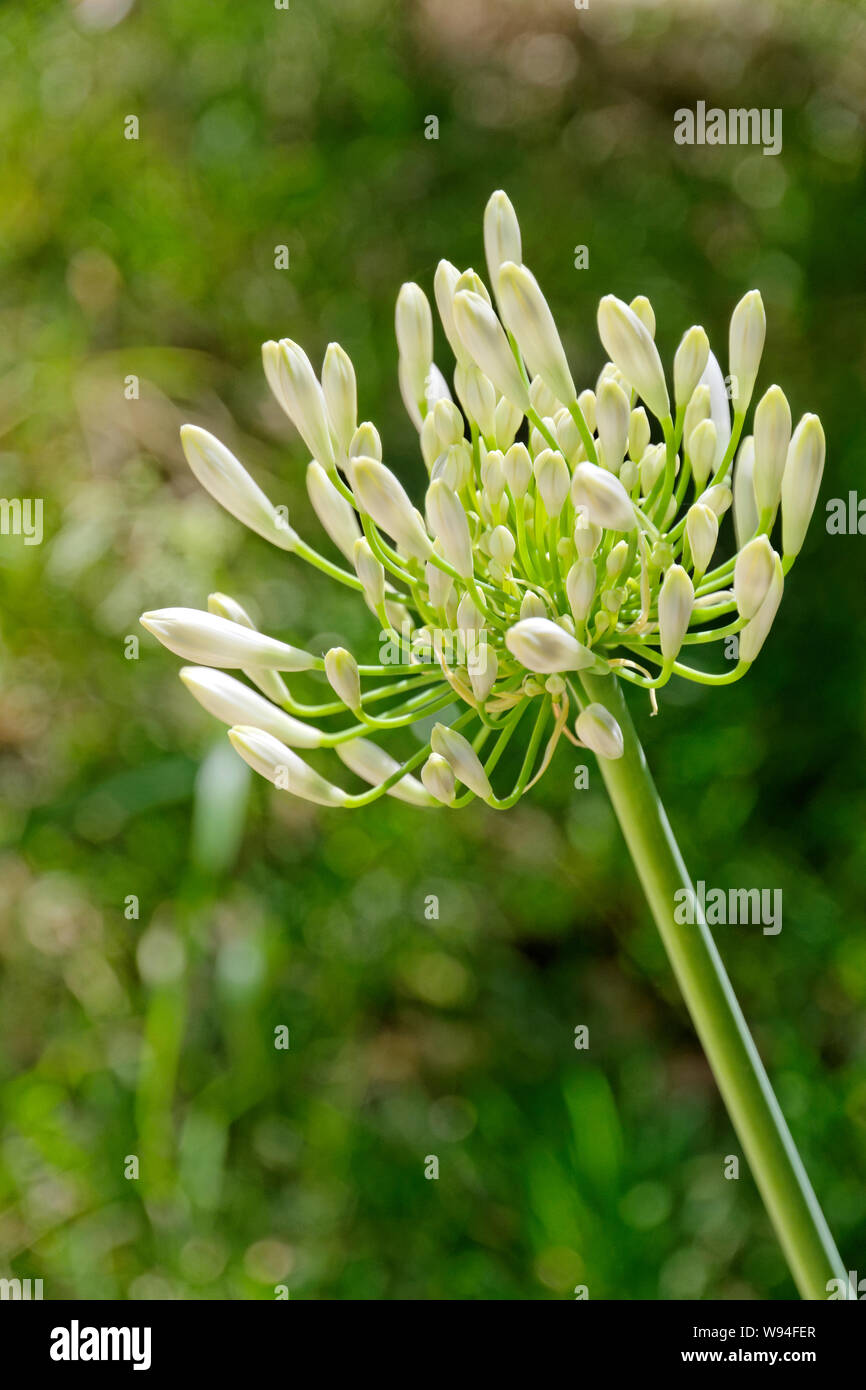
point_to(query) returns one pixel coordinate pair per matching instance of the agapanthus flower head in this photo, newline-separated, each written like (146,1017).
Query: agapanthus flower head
(565,534)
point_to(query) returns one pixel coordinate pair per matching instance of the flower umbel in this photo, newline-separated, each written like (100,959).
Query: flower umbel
(585,546)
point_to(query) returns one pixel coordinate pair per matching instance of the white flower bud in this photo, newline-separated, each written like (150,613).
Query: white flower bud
(753,573)
(447,520)
(543,399)
(437,388)
(296,387)
(233,702)
(341,668)
(676,600)
(431,444)
(638,434)
(493,476)
(587,536)
(580,586)
(413,324)
(340,389)
(689,363)
(383,498)
(508,419)
(213,641)
(553,480)
(587,402)
(374,765)
(226,479)
(772,437)
(469,619)
(477,396)
(444,287)
(616,559)
(527,314)
(641,306)
(439,584)
(273,760)
(613,415)
(366,443)
(604,497)
(800,483)
(630,346)
(745,346)
(501,234)
(543,647)
(629,475)
(462,759)
(485,340)
(720,408)
(568,436)
(596,727)
(754,634)
(448,422)
(702,452)
(501,546)
(702,529)
(532,606)
(745,506)
(334,512)
(370,572)
(438,778)
(718,498)
(517,467)
(651,466)
(483,668)
(270,682)
(697,410)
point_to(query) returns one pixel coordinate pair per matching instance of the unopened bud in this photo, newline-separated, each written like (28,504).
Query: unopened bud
(676,600)
(517,467)
(438,778)
(341,395)
(226,479)
(543,647)
(462,759)
(580,587)
(383,498)
(613,416)
(334,512)
(604,497)
(746,344)
(802,479)
(596,727)
(745,506)
(553,480)
(689,363)
(528,316)
(753,572)
(273,760)
(772,437)
(630,346)
(702,529)
(638,434)
(754,634)
(447,520)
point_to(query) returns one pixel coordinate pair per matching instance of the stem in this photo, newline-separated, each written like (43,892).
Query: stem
(718,1019)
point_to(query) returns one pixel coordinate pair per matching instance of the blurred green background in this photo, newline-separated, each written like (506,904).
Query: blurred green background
(153,1035)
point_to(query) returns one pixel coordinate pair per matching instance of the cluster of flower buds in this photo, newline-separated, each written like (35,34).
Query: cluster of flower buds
(586,546)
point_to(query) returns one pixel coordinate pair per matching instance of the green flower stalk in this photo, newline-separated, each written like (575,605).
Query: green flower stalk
(540,574)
